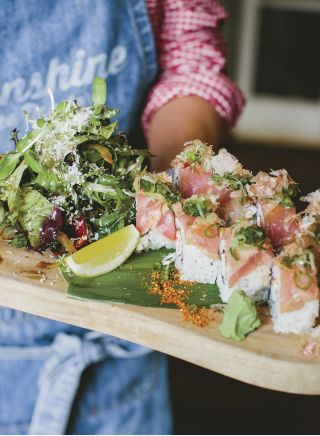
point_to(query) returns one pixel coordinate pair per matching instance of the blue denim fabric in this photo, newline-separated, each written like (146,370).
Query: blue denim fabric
(89,384)
(63,45)
(56,378)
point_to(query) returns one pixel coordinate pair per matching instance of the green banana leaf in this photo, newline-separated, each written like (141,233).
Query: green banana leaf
(130,283)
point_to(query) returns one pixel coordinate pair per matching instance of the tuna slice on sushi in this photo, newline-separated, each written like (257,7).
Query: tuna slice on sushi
(294,298)
(155,220)
(273,194)
(197,249)
(246,261)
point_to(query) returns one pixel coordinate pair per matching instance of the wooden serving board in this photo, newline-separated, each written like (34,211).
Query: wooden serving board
(286,363)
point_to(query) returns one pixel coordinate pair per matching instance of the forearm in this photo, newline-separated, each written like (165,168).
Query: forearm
(182,119)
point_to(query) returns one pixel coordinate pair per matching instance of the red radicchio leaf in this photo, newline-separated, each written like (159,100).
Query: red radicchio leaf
(81,232)
(50,228)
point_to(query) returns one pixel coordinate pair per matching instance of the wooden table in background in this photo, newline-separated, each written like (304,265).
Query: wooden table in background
(285,363)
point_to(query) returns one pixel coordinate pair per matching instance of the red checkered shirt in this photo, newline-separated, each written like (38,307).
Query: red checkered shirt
(191,57)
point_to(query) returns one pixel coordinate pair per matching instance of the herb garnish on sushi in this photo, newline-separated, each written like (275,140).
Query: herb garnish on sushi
(199,205)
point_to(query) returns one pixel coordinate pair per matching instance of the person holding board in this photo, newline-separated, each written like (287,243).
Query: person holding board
(164,61)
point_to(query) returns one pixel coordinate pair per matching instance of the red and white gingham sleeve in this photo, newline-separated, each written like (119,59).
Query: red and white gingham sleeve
(191,56)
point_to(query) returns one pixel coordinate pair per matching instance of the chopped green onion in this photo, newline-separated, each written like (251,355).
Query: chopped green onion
(251,236)
(198,206)
(302,280)
(233,181)
(288,195)
(287,202)
(234,253)
(209,231)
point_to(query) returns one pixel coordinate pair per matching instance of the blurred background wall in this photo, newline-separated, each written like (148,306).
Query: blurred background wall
(274,56)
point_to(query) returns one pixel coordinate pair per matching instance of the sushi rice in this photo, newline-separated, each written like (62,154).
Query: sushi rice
(154,240)
(296,321)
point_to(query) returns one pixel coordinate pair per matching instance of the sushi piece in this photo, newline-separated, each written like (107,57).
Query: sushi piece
(197,250)
(309,228)
(273,194)
(191,171)
(246,261)
(231,181)
(294,297)
(155,219)
(199,171)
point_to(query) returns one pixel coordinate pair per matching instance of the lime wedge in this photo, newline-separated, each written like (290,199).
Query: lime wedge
(104,255)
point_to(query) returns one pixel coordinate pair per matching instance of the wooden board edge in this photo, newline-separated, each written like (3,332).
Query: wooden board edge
(222,357)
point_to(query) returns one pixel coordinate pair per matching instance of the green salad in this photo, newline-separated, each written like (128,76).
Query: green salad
(69,180)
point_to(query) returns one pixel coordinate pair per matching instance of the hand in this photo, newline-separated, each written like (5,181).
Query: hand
(181,120)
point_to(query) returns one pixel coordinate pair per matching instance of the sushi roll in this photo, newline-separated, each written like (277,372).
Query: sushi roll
(155,195)
(197,249)
(230,181)
(273,194)
(294,297)
(246,261)
(191,172)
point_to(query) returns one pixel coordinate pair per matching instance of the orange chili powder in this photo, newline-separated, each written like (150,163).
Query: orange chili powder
(175,291)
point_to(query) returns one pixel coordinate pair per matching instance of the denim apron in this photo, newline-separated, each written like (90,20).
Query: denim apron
(57,378)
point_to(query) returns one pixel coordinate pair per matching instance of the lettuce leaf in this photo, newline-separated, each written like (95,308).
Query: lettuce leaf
(47,180)
(7,230)
(8,164)
(33,210)
(10,186)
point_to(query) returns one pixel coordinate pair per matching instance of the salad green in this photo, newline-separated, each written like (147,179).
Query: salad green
(71,175)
